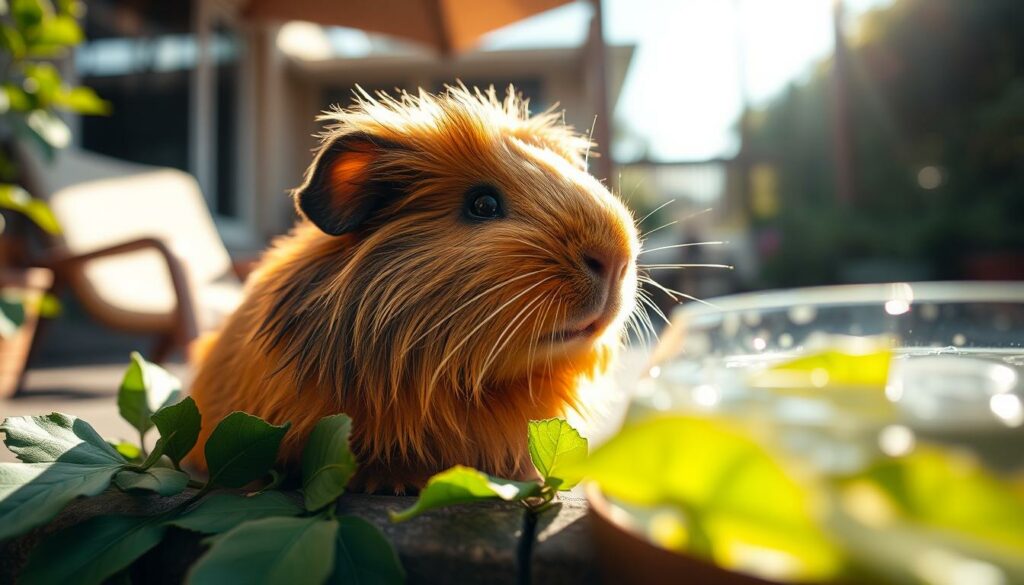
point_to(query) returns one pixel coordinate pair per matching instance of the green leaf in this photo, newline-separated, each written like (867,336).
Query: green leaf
(272,550)
(49,306)
(28,13)
(462,485)
(948,491)
(17,199)
(75,8)
(129,451)
(57,437)
(31,494)
(82,100)
(865,368)
(179,428)
(145,389)
(17,99)
(735,497)
(42,80)
(59,32)
(554,447)
(92,551)
(222,512)
(12,316)
(327,462)
(364,555)
(242,448)
(164,481)
(154,456)
(11,39)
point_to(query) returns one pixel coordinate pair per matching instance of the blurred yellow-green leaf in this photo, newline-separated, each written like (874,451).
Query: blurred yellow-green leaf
(29,13)
(42,80)
(948,491)
(12,40)
(832,368)
(57,32)
(75,8)
(736,497)
(17,99)
(932,514)
(82,100)
(49,306)
(17,199)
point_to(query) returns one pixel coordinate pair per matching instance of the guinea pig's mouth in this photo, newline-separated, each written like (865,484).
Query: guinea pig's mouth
(573,333)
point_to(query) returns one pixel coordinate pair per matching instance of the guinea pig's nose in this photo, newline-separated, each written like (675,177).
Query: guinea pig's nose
(605,264)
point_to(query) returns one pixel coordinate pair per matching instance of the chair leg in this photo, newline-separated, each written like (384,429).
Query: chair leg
(165,346)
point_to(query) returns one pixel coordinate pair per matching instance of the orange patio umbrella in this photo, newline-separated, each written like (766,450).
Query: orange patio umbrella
(449,26)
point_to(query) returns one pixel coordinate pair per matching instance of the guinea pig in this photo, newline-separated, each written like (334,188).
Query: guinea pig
(455,272)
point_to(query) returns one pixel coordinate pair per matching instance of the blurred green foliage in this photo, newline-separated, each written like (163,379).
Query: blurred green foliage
(34,33)
(936,112)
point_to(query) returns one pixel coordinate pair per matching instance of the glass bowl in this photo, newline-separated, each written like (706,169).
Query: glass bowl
(942,361)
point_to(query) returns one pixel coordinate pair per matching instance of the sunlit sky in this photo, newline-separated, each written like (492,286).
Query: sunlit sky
(683,92)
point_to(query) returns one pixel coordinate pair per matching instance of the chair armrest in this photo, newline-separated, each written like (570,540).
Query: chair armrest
(186,329)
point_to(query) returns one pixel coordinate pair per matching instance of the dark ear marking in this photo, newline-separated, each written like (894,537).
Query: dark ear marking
(341,191)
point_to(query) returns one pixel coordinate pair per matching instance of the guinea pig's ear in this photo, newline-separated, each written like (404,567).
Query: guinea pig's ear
(340,192)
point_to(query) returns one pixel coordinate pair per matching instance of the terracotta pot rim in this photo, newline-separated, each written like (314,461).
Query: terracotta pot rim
(600,510)
(32,278)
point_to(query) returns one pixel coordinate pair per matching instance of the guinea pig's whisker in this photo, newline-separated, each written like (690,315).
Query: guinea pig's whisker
(645,316)
(535,340)
(634,327)
(653,211)
(528,256)
(468,303)
(681,266)
(508,333)
(451,353)
(644,279)
(661,227)
(673,292)
(590,141)
(533,245)
(654,306)
(697,214)
(687,245)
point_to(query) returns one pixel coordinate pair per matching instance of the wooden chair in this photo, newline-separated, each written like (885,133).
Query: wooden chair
(139,248)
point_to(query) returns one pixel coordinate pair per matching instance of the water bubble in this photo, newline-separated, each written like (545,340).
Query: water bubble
(897,307)
(1008,408)
(706,395)
(896,440)
(802,314)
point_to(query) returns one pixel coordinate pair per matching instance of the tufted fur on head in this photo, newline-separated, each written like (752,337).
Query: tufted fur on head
(439,331)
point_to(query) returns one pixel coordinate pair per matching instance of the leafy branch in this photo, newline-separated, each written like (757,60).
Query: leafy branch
(556,448)
(264,534)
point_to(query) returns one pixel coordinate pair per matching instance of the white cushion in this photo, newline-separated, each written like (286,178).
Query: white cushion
(101,201)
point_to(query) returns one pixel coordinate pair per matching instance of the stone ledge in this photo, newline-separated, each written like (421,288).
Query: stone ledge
(476,543)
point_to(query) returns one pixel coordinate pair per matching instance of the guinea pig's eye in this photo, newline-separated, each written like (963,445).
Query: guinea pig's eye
(483,202)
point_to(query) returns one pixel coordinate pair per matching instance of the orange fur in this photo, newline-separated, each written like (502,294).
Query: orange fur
(428,330)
